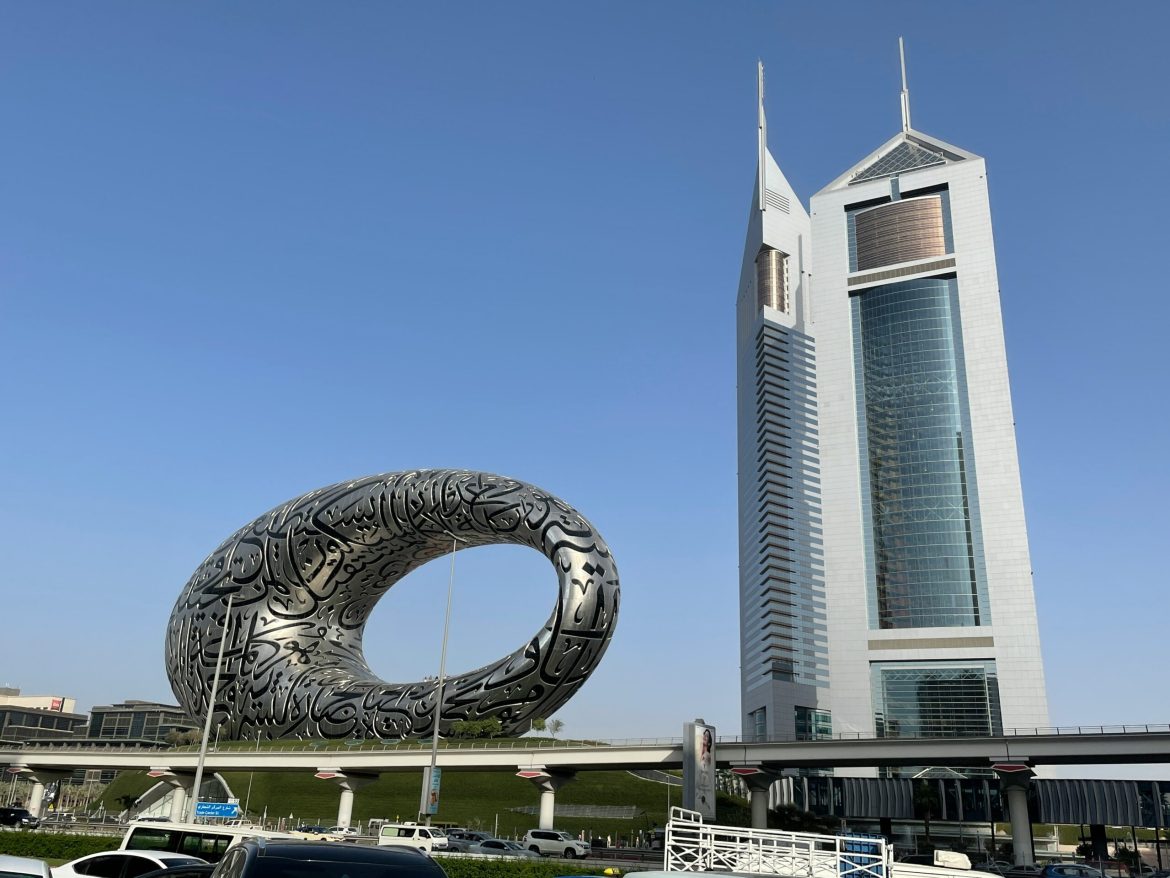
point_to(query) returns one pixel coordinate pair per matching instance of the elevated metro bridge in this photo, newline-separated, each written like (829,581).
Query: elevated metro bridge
(1103,745)
(551,764)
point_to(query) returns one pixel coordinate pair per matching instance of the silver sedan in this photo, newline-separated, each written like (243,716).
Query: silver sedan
(498,847)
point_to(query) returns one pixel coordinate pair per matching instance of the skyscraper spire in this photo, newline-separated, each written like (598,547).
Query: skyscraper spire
(905,89)
(762,133)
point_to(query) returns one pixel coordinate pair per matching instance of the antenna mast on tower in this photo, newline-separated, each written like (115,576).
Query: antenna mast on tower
(762,123)
(905,88)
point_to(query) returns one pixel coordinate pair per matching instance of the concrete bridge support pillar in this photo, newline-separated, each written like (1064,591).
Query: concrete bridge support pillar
(548,783)
(759,781)
(40,778)
(181,784)
(350,783)
(1014,779)
(36,798)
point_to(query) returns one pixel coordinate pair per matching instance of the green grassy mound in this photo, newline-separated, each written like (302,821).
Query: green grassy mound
(476,799)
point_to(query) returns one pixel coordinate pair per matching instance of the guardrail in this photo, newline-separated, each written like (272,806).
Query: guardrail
(556,743)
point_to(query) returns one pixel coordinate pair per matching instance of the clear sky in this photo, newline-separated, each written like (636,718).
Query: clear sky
(247,250)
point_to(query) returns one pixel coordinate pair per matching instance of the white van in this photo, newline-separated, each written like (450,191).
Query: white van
(193,839)
(413,835)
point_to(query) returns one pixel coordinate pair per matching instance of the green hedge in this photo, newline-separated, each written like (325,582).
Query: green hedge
(55,845)
(473,867)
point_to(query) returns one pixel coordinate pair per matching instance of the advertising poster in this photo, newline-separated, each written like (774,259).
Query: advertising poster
(431,782)
(699,768)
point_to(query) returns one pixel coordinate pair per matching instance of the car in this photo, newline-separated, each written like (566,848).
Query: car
(313,833)
(18,818)
(344,831)
(196,870)
(462,839)
(277,858)
(499,847)
(554,843)
(23,867)
(414,835)
(1070,870)
(991,867)
(124,864)
(207,842)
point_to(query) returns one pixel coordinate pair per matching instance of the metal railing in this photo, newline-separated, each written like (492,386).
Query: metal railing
(694,846)
(562,744)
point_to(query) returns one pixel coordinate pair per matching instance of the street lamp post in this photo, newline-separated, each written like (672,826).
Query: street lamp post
(424,810)
(227,627)
(248,798)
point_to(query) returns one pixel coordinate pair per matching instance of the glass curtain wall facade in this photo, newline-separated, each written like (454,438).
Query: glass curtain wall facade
(941,700)
(911,409)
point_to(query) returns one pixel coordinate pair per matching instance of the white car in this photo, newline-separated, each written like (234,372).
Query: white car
(553,843)
(23,867)
(124,864)
(344,831)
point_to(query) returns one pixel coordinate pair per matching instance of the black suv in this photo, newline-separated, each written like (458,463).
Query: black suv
(19,818)
(278,858)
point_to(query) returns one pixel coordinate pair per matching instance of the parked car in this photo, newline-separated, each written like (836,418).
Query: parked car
(313,833)
(18,818)
(462,839)
(273,858)
(499,847)
(412,835)
(203,840)
(197,870)
(23,867)
(124,864)
(1070,870)
(996,867)
(553,843)
(1110,868)
(943,859)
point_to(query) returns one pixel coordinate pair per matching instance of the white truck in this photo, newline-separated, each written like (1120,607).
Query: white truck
(694,846)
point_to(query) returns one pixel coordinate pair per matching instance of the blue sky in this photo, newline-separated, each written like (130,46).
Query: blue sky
(247,250)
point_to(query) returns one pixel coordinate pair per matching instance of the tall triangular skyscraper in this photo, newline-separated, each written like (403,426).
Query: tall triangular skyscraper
(784,658)
(885,582)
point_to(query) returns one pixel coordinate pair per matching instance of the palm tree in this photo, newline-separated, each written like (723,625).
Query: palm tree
(926,804)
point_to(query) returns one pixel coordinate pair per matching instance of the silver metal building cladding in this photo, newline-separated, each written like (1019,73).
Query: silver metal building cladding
(306,576)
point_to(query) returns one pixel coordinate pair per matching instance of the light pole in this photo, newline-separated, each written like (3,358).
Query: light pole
(248,797)
(428,778)
(227,627)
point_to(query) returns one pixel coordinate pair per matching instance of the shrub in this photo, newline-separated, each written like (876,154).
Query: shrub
(476,728)
(474,867)
(55,845)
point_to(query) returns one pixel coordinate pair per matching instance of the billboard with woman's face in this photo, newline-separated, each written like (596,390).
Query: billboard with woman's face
(699,768)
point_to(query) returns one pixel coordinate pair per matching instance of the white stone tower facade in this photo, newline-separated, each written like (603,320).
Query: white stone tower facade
(910,572)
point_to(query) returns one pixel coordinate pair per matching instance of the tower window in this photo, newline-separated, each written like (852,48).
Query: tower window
(772,280)
(758,724)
